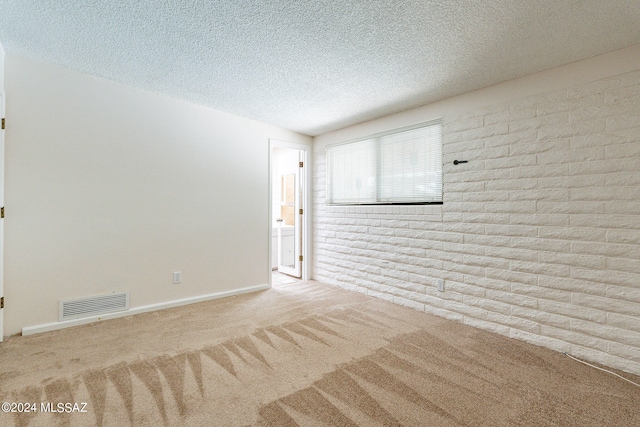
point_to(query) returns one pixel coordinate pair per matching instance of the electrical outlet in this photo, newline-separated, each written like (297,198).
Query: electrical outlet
(177,277)
(440,284)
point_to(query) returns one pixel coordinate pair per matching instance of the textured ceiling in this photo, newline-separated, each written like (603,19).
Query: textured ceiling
(314,66)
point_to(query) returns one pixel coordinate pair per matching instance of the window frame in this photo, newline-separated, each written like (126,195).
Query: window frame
(376,137)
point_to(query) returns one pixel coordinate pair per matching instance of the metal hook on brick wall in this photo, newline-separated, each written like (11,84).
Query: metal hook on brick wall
(457,162)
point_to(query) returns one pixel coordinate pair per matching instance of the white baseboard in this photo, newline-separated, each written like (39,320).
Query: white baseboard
(30,330)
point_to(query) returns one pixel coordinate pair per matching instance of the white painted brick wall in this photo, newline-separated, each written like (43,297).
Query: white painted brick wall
(539,234)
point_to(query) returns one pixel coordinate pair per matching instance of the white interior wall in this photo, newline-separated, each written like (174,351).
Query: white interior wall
(539,234)
(114,188)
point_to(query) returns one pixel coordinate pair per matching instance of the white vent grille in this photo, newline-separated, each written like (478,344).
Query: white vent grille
(91,306)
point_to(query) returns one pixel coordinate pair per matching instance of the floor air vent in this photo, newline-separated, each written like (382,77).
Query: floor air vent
(92,306)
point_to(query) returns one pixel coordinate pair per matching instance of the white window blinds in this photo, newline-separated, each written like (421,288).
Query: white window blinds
(402,166)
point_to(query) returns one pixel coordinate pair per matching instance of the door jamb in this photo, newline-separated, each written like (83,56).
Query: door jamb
(2,173)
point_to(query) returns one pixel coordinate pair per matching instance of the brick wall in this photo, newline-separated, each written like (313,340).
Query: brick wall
(539,234)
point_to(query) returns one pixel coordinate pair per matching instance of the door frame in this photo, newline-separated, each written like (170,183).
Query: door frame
(2,143)
(305,204)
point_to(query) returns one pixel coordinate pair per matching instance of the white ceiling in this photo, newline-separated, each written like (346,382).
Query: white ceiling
(315,65)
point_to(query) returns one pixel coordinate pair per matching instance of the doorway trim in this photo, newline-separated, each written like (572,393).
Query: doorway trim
(305,204)
(2,165)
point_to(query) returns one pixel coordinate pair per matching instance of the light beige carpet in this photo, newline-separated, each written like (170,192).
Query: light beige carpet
(302,354)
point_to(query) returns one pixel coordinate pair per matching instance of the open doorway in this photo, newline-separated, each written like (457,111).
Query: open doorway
(288,202)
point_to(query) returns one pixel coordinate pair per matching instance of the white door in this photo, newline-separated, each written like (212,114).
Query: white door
(290,221)
(1,204)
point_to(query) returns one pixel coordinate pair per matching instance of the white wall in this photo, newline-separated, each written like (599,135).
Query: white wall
(113,188)
(539,234)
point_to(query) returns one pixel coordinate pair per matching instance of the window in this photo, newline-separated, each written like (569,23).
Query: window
(403,166)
